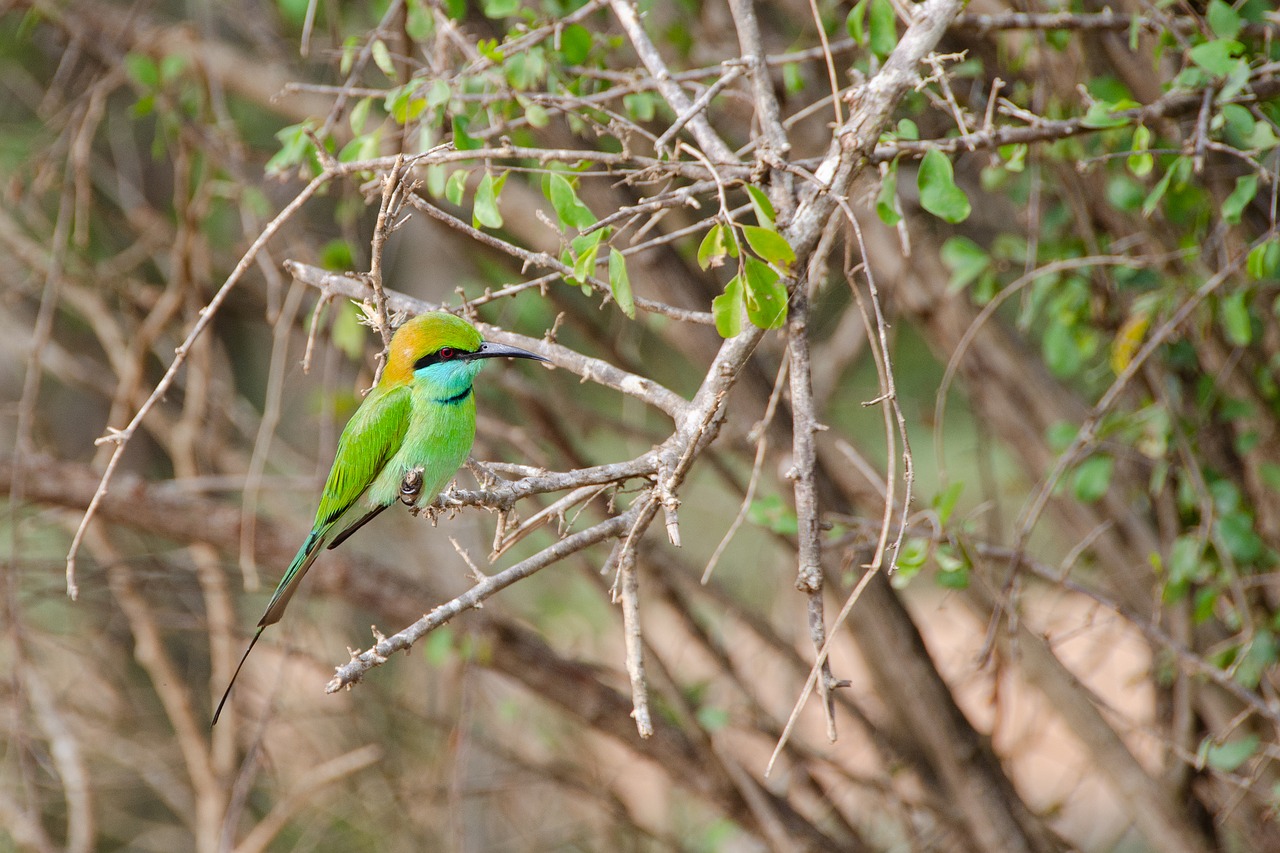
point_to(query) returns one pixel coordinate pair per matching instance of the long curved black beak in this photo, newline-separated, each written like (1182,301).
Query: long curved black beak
(492,350)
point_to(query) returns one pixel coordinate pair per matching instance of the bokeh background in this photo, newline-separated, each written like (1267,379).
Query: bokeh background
(1076,645)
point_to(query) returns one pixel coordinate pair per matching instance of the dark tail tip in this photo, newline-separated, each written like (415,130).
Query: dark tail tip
(227,693)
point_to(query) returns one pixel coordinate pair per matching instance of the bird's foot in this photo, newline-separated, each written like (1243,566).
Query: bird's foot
(411,487)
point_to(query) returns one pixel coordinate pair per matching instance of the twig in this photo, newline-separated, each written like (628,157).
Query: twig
(707,138)
(1087,433)
(989,310)
(697,107)
(392,198)
(546,261)
(1173,104)
(280,337)
(354,671)
(592,369)
(804,426)
(302,792)
(1201,137)
(768,111)
(120,437)
(760,430)
(634,640)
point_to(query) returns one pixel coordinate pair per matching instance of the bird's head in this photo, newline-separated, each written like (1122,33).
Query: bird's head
(442,349)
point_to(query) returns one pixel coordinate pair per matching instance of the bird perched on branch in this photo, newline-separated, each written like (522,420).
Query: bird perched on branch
(416,426)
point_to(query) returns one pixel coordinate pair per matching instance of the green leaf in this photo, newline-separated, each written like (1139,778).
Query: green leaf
(766,294)
(1162,186)
(911,558)
(1270,474)
(1239,537)
(1140,163)
(360,115)
(772,513)
(641,106)
(438,94)
(727,309)
(462,140)
(1229,756)
(536,115)
(1102,114)
(364,147)
(966,260)
(1217,57)
(1234,310)
(455,189)
(1233,206)
(568,206)
(887,199)
(172,66)
(762,206)
(382,58)
(1061,352)
(914,553)
(337,255)
(712,719)
(485,210)
(419,24)
(1186,560)
(295,146)
(1015,156)
(525,69)
(620,283)
(575,44)
(938,191)
(1235,81)
(350,48)
(770,245)
(348,333)
(1206,602)
(954,567)
(585,249)
(714,247)
(854,23)
(1263,138)
(404,104)
(1092,478)
(1264,259)
(945,501)
(792,78)
(882,25)
(1060,435)
(142,70)
(143,107)
(1223,20)
(500,8)
(1259,657)
(949,559)
(438,646)
(436,176)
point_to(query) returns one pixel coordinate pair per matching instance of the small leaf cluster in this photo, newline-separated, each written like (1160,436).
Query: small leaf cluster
(758,289)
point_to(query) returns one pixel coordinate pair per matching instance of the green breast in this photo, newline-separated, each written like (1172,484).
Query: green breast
(439,437)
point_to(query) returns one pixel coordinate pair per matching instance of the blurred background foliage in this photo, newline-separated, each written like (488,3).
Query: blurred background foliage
(1071,226)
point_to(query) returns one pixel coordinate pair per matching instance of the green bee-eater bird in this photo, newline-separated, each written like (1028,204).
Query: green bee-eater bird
(421,416)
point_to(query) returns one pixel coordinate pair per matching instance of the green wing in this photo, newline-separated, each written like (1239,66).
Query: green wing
(371,438)
(369,441)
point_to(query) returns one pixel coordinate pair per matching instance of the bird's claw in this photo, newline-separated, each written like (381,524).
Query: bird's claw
(411,487)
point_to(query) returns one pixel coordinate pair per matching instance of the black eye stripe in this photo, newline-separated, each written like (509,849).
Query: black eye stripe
(442,354)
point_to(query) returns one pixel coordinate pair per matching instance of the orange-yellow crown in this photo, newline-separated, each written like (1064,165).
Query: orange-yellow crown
(424,335)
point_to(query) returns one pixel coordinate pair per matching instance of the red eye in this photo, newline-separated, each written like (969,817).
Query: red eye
(446,353)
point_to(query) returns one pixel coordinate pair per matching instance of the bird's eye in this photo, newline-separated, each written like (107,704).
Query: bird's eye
(446,353)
